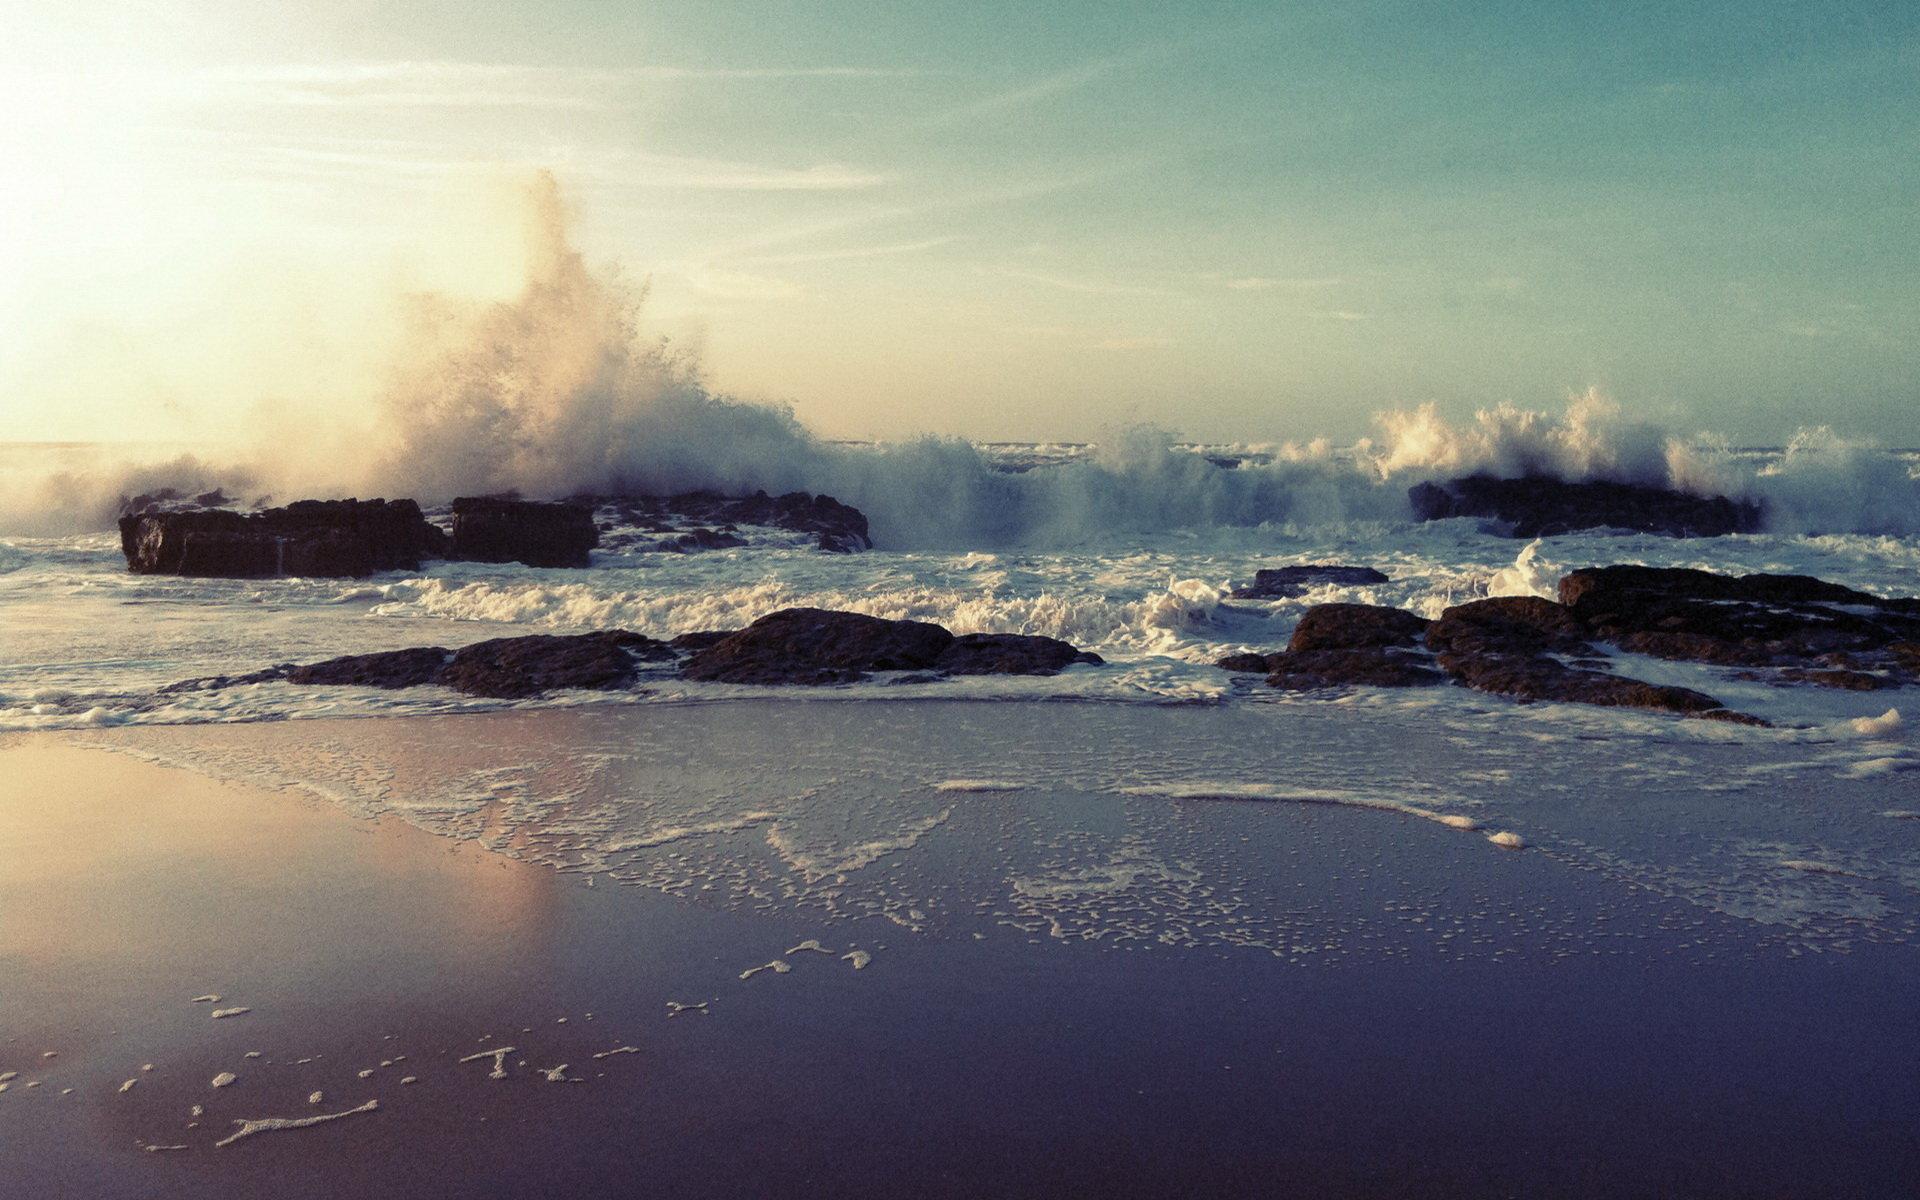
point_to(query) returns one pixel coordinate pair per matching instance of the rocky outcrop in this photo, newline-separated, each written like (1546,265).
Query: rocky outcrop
(537,533)
(1286,582)
(1010,654)
(835,527)
(817,646)
(1507,646)
(1371,666)
(503,668)
(310,537)
(1540,506)
(1821,632)
(813,646)
(511,668)
(1351,626)
(1343,645)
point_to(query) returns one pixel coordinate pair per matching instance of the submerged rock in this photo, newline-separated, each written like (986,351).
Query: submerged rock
(510,668)
(1010,654)
(835,527)
(1372,666)
(1343,645)
(537,533)
(1828,633)
(504,668)
(1285,582)
(390,669)
(1349,626)
(309,537)
(1539,506)
(817,646)
(1506,646)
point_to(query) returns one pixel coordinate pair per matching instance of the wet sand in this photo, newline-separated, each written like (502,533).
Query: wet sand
(1450,1018)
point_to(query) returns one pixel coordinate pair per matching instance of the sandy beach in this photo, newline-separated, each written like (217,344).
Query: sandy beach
(1052,988)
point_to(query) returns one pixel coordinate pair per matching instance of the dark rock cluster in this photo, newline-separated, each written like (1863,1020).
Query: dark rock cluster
(311,537)
(167,534)
(835,527)
(815,646)
(1280,583)
(806,646)
(1784,628)
(1540,506)
(539,534)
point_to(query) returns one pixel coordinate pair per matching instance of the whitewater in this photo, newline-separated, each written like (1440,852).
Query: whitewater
(1130,544)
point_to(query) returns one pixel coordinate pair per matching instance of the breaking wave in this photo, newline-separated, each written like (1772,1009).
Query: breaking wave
(557,392)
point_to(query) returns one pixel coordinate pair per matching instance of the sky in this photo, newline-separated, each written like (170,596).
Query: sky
(992,220)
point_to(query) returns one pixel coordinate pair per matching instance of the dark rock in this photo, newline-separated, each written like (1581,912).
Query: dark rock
(506,668)
(835,527)
(1373,666)
(310,537)
(389,669)
(1284,582)
(1538,677)
(510,668)
(1747,620)
(1505,646)
(702,539)
(537,533)
(1246,664)
(815,646)
(693,643)
(1508,625)
(1010,654)
(1852,681)
(1539,506)
(1351,626)
(215,682)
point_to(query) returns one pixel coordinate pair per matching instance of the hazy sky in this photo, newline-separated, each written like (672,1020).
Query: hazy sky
(994,219)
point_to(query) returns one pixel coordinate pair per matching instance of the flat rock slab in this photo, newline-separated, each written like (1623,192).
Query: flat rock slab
(1540,506)
(1279,583)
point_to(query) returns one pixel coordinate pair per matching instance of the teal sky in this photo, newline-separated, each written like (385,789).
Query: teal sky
(995,220)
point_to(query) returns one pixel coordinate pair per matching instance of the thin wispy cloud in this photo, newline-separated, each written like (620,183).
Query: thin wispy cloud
(850,252)
(1086,287)
(441,84)
(1263,283)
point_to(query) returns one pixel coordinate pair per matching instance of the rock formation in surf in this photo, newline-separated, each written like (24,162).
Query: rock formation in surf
(1540,506)
(1279,583)
(1784,629)
(806,646)
(311,537)
(164,533)
(539,534)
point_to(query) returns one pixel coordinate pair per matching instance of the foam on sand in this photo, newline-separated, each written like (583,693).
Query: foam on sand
(224,1079)
(614,1051)
(220,1014)
(859,958)
(676,1008)
(279,1124)
(1815,867)
(499,1058)
(1210,790)
(978,785)
(778,966)
(811,945)
(1506,839)
(209,998)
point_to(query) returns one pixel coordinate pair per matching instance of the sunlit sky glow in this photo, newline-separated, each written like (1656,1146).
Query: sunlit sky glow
(997,220)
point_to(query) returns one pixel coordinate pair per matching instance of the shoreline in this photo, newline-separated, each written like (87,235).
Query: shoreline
(1160,994)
